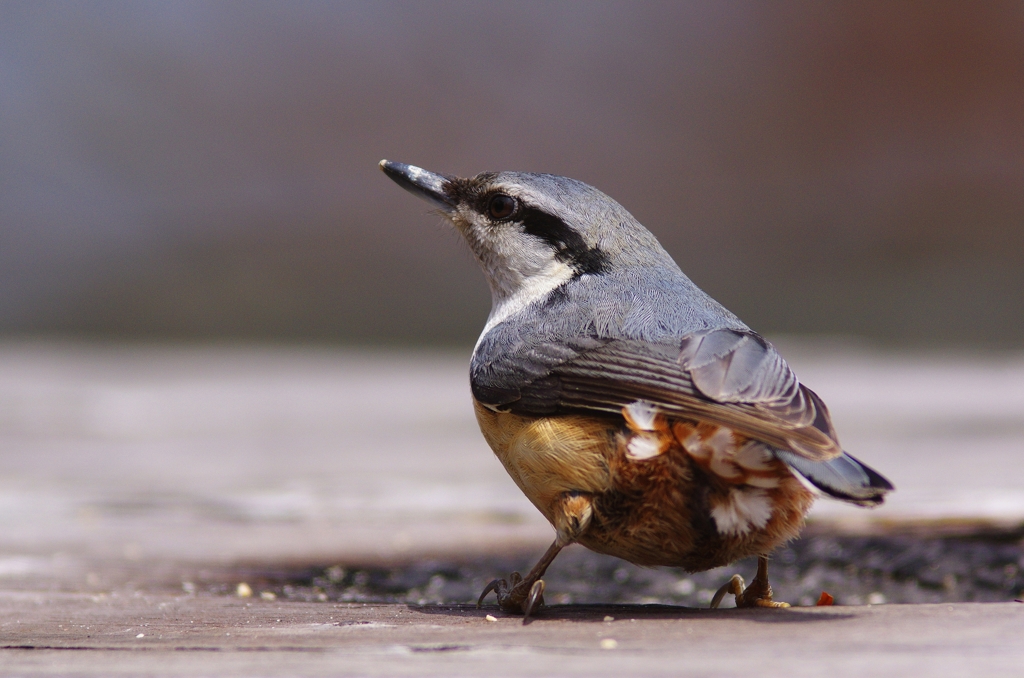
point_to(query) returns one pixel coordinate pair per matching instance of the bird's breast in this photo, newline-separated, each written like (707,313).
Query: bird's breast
(548,456)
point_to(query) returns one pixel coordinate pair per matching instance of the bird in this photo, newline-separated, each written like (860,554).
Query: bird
(641,417)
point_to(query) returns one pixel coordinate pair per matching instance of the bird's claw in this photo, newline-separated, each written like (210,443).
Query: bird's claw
(534,600)
(515,595)
(733,586)
(758,594)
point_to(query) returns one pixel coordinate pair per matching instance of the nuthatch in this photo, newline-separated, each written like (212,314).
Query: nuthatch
(642,418)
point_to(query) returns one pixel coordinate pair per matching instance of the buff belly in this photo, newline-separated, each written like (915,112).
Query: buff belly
(664,492)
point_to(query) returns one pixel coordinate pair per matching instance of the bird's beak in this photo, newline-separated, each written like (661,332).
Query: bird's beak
(419,182)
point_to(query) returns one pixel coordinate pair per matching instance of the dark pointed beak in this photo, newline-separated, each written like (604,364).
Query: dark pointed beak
(419,182)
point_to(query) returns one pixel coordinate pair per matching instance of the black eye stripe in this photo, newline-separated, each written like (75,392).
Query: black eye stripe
(569,245)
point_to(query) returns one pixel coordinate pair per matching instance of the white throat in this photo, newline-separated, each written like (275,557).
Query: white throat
(533,289)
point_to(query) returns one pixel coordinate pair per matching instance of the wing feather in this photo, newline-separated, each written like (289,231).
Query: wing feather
(731,377)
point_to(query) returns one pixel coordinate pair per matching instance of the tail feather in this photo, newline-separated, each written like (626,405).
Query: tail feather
(843,477)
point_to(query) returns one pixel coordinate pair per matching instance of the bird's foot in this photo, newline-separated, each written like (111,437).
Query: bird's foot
(523,596)
(758,594)
(516,595)
(746,596)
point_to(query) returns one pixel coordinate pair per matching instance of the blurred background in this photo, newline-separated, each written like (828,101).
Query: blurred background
(180,170)
(210,295)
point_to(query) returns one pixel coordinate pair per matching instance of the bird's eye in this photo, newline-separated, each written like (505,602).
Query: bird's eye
(501,206)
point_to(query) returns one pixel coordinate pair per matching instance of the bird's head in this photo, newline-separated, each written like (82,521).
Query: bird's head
(532,233)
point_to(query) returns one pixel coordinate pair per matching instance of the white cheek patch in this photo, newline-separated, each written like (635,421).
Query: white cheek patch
(742,511)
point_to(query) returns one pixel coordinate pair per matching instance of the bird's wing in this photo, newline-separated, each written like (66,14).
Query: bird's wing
(731,377)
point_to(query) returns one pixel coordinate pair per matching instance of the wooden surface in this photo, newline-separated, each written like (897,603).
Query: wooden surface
(182,635)
(126,466)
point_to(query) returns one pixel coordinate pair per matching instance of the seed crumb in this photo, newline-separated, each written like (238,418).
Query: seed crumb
(609,644)
(609,618)
(491,618)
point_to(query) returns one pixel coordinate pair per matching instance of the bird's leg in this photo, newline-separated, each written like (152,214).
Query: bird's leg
(758,594)
(524,595)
